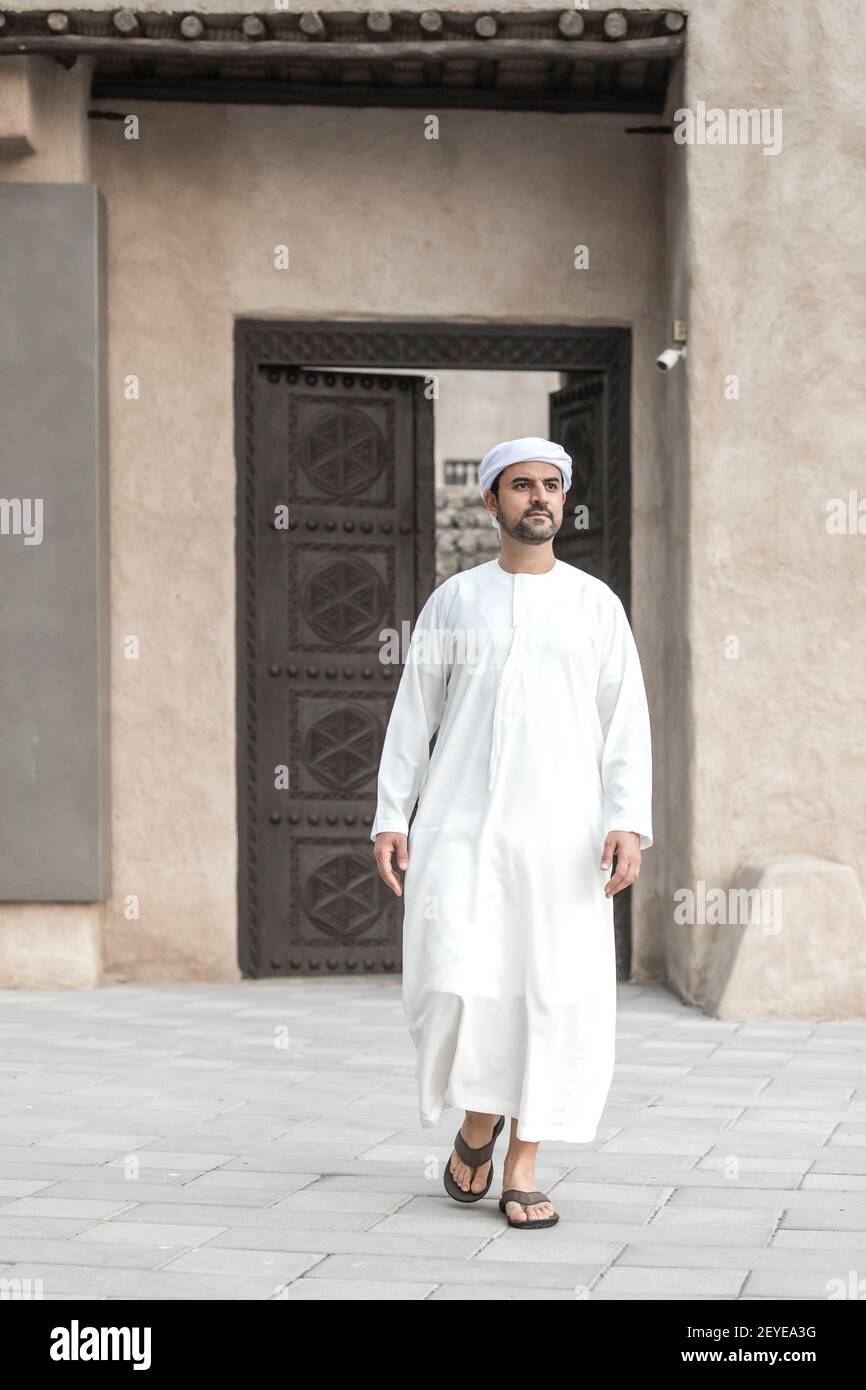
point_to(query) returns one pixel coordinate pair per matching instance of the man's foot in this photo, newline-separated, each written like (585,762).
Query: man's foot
(477,1129)
(520,1174)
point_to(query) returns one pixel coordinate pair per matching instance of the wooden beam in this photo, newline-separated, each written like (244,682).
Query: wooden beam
(571,24)
(272,92)
(320,51)
(615,25)
(191,26)
(125,22)
(311,22)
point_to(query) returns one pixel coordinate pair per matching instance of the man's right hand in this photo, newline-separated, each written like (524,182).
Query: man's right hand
(386,844)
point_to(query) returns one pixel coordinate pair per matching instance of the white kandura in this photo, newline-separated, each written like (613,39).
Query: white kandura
(534,684)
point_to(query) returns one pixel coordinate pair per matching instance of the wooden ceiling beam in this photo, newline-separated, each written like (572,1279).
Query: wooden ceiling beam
(325,50)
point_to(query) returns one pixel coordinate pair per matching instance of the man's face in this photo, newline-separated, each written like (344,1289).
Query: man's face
(530,502)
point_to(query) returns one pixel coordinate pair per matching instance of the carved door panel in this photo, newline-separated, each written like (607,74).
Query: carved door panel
(595,533)
(335,499)
(595,530)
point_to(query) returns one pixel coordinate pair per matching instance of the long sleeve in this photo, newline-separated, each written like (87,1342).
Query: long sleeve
(626,767)
(415,717)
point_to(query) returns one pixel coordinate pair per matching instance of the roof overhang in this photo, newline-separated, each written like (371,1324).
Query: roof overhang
(540,60)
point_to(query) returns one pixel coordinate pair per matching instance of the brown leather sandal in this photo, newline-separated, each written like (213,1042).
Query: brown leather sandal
(527,1199)
(473,1158)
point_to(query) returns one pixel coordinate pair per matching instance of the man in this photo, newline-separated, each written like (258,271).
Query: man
(540,775)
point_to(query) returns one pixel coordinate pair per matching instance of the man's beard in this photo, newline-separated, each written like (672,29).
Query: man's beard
(528,530)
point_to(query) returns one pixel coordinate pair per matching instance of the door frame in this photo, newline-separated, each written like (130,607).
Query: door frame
(400,345)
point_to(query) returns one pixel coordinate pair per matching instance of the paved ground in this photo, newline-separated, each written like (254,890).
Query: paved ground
(261,1141)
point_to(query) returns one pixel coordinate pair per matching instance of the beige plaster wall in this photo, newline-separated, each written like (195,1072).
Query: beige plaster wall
(660,952)
(44,130)
(777,278)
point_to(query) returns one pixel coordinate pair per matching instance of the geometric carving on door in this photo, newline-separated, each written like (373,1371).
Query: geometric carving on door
(342,452)
(342,746)
(343,600)
(341,895)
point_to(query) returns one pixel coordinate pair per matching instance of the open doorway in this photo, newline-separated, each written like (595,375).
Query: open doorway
(354,442)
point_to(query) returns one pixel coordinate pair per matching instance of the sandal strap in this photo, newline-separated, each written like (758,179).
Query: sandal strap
(475,1157)
(524,1199)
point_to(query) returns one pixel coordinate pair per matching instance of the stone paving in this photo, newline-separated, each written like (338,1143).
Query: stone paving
(261,1141)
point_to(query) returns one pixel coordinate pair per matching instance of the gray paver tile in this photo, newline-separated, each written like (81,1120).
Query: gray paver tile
(305,1175)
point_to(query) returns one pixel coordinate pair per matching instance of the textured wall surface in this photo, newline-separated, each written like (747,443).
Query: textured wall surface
(777,275)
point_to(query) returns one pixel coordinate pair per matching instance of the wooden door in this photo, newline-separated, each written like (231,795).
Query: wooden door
(595,534)
(336,547)
(599,502)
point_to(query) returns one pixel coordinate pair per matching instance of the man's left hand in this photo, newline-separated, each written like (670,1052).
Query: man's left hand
(625,844)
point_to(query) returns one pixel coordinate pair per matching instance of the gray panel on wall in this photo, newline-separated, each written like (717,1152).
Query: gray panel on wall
(54,744)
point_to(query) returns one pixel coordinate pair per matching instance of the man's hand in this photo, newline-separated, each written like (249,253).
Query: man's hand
(625,844)
(387,843)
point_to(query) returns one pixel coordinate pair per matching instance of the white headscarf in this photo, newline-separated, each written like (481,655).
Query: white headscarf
(522,451)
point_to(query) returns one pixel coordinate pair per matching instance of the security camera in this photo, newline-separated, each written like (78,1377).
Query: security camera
(670,357)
